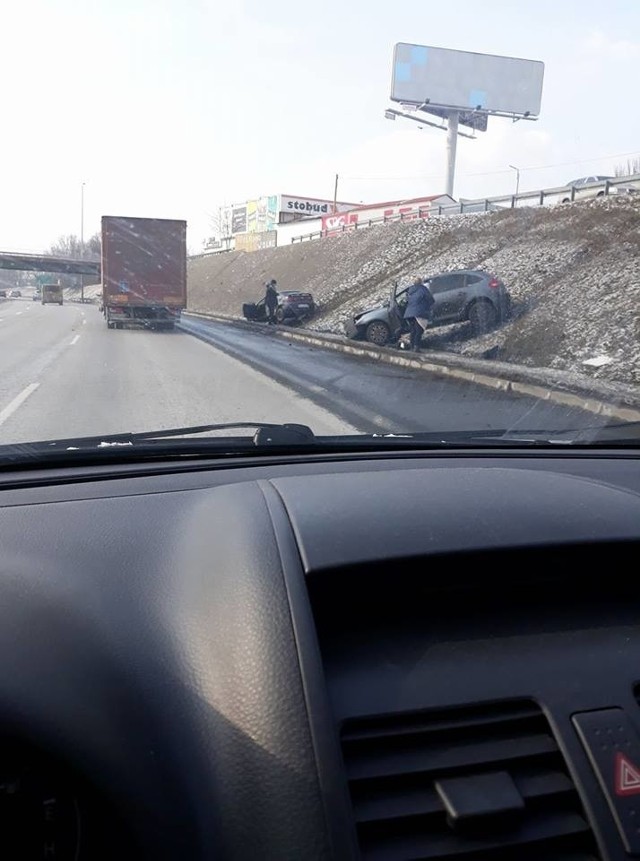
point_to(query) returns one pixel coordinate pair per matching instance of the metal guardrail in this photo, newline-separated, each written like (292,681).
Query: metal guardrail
(541,197)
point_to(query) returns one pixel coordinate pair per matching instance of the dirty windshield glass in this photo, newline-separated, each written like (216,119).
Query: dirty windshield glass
(367,218)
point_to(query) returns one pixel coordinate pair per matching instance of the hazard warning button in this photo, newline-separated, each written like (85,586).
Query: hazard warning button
(613,746)
(627,779)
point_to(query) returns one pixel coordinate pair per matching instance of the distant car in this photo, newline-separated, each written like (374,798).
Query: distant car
(293,305)
(37,296)
(15,294)
(464,294)
(3,294)
(592,186)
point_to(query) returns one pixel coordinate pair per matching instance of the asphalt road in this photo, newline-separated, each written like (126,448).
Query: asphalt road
(378,397)
(64,374)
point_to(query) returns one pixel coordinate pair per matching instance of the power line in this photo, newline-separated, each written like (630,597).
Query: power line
(495,172)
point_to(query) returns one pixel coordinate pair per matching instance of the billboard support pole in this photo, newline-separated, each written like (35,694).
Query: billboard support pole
(452,143)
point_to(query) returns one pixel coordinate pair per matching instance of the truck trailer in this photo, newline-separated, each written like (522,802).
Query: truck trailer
(144,271)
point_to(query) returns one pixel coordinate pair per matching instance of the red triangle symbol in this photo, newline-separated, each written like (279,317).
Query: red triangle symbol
(627,780)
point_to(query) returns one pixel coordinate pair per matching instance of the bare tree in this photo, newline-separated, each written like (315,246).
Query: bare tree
(69,246)
(631,166)
(221,226)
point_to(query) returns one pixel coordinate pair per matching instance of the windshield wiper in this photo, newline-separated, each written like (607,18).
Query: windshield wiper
(266,433)
(291,438)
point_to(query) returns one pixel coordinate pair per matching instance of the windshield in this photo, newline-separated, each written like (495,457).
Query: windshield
(206,206)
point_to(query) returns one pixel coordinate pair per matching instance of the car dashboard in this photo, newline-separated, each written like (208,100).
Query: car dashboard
(416,655)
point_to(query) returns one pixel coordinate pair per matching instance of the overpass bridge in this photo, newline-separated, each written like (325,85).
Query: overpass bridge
(49,263)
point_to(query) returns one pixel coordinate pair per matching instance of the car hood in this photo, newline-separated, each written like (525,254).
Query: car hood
(372,314)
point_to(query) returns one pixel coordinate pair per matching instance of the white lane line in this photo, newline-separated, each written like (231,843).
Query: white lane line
(84,322)
(17,401)
(75,340)
(18,313)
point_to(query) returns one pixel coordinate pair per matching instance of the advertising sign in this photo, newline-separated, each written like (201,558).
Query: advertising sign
(332,225)
(393,210)
(463,80)
(256,241)
(311,206)
(239,219)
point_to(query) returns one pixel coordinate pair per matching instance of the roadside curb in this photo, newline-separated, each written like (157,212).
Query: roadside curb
(622,404)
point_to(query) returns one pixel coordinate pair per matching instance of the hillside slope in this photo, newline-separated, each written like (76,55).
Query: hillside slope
(573,272)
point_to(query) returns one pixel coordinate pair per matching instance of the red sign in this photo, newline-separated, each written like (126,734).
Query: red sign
(627,776)
(338,223)
(408,213)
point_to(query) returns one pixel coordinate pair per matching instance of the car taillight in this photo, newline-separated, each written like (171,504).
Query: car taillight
(494,282)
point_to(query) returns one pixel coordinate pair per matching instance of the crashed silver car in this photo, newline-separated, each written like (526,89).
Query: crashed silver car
(471,295)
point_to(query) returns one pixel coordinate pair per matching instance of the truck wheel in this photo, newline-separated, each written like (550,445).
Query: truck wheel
(377,332)
(110,325)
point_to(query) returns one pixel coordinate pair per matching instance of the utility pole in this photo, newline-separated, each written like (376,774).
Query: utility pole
(517,170)
(452,144)
(82,185)
(335,196)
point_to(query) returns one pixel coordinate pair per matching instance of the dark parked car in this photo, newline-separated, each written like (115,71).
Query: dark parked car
(15,294)
(293,305)
(3,294)
(465,294)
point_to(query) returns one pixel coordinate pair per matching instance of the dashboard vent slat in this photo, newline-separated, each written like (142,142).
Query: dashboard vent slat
(417,757)
(396,765)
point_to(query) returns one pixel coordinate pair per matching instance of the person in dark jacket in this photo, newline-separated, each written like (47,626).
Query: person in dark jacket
(419,305)
(271,300)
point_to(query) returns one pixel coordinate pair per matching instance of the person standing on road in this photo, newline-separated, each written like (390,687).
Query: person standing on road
(271,301)
(418,311)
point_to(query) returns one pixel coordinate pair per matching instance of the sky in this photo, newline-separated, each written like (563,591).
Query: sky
(174,108)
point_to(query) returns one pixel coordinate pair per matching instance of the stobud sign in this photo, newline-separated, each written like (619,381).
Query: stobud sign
(310,206)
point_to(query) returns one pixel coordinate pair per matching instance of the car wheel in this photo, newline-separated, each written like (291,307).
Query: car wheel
(482,316)
(279,315)
(111,325)
(377,332)
(567,200)
(600,194)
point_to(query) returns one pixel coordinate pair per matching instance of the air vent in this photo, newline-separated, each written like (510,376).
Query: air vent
(472,783)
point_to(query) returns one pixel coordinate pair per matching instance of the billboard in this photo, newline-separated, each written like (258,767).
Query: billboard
(460,80)
(239,219)
(256,241)
(255,216)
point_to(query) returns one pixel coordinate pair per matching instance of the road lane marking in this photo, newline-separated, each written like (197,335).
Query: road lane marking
(75,340)
(18,313)
(84,322)
(10,409)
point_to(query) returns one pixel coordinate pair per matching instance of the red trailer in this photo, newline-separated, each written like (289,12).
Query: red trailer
(144,271)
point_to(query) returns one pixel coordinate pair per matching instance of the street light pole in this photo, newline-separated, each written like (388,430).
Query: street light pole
(517,170)
(82,238)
